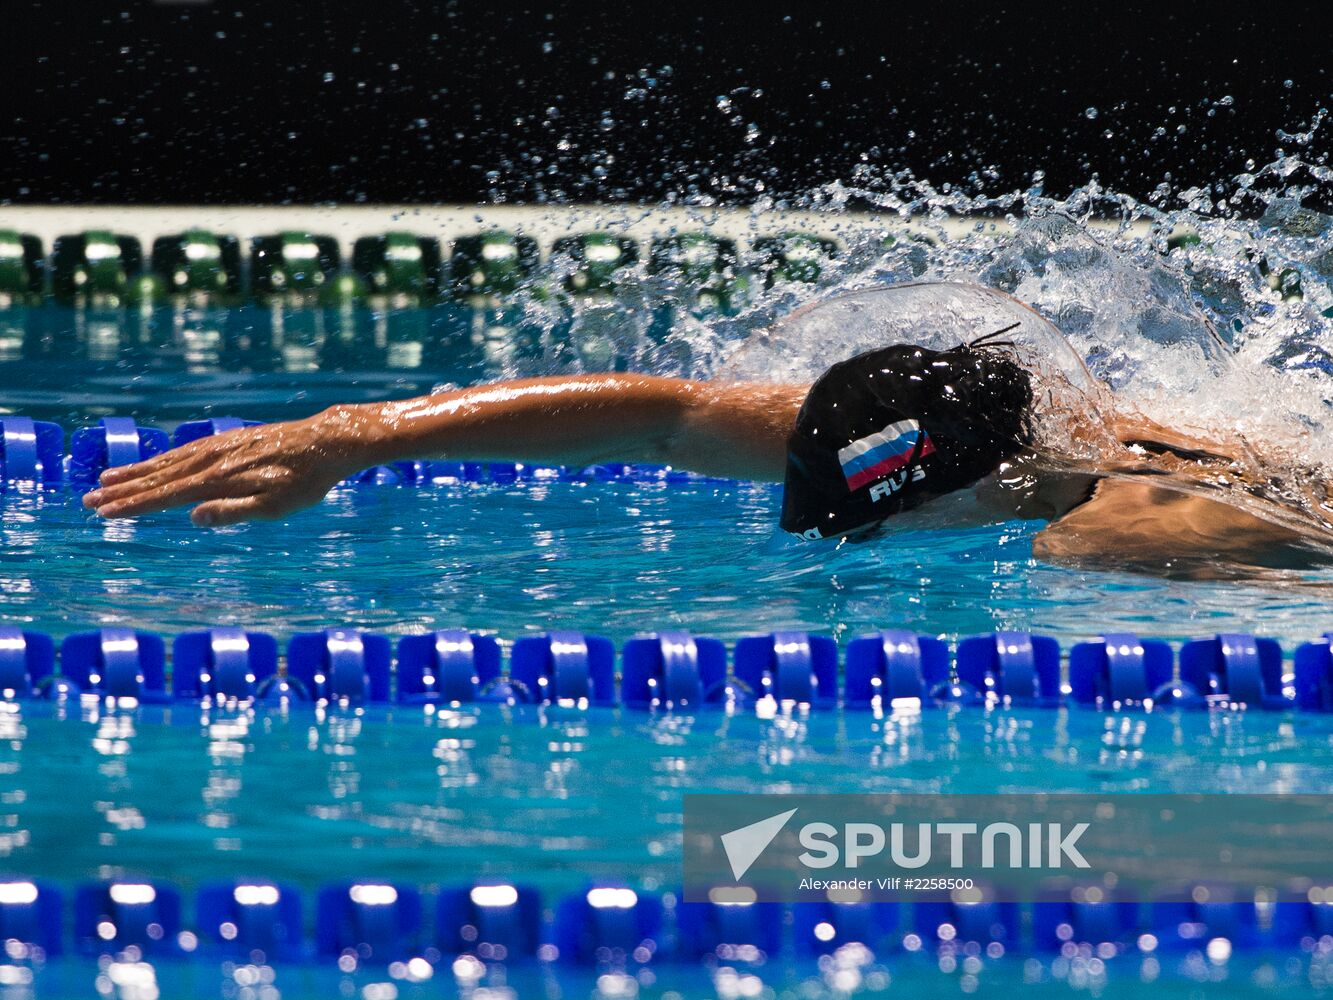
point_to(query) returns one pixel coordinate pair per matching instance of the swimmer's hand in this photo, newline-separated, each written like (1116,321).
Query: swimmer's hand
(252,473)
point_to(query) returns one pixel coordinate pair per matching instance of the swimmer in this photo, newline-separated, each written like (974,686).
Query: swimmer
(887,432)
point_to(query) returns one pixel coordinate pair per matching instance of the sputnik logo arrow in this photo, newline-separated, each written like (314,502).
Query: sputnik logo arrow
(743,846)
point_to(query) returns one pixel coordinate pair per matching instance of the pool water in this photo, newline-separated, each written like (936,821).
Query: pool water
(526,795)
(609,558)
(555,798)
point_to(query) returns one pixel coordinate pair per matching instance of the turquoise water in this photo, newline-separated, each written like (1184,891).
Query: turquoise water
(555,798)
(526,794)
(440,799)
(610,558)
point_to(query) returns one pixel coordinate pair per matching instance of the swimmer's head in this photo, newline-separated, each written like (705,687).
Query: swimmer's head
(888,430)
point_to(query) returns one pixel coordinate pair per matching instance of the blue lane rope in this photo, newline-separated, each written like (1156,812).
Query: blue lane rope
(670,671)
(613,924)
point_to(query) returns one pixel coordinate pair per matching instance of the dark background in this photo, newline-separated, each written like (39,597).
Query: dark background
(235,101)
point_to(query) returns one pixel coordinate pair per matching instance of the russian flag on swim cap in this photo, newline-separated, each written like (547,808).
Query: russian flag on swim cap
(882,453)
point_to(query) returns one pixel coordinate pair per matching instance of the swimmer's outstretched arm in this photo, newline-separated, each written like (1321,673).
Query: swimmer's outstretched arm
(737,430)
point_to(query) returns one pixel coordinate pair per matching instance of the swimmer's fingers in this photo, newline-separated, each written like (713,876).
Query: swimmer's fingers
(216,454)
(124,480)
(124,473)
(216,513)
(119,474)
(174,493)
(152,479)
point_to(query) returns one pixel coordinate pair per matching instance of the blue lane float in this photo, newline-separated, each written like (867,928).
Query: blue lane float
(518,472)
(824,927)
(116,663)
(1015,667)
(1186,924)
(1312,916)
(634,473)
(609,924)
(456,472)
(1120,670)
(673,670)
(118,915)
(505,473)
(563,667)
(1312,665)
(447,666)
(895,666)
(608,472)
(30,450)
(500,473)
(394,474)
(732,931)
(246,919)
(979,922)
(789,666)
(1235,669)
(1084,915)
(193,430)
(379,921)
(115,441)
(25,658)
(222,663)
(496,922)
(341,664)
(32,913)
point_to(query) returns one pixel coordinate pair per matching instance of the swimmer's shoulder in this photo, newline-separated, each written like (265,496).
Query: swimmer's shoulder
(1134,523)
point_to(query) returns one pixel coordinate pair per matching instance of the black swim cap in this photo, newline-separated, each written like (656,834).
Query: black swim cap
(890,429)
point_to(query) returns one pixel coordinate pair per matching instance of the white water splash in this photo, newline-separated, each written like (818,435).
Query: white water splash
(1209,310)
